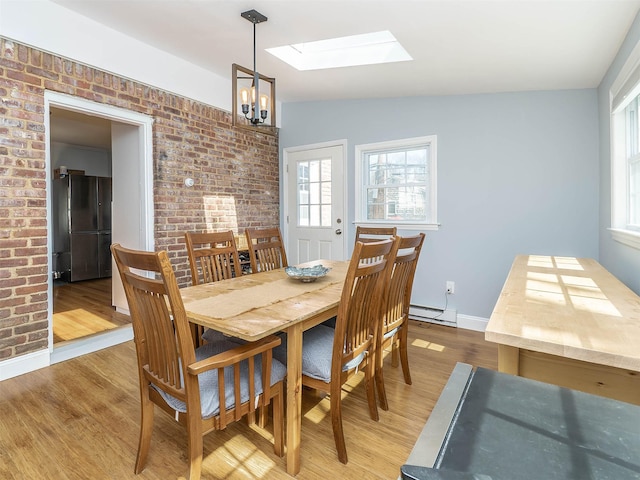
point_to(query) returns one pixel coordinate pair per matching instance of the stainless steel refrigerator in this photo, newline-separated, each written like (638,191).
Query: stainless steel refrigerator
(82,227)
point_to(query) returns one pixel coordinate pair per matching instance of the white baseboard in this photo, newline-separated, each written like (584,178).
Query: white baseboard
(470,322)
(433,315)
(76,348)
(22,364)
(31,362)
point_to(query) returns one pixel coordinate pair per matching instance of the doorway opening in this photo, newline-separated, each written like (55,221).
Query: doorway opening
(110,148)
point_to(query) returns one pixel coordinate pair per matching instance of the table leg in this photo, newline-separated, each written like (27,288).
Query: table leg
(294,397)
(509,359)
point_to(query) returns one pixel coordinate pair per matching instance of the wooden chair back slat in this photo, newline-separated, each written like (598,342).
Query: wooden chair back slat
(213,256)
(266,249)
(374,234)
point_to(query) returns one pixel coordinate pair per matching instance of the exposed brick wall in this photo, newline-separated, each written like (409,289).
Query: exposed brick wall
(236,172)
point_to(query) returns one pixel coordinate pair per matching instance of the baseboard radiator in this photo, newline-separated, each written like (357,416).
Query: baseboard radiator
(448,317)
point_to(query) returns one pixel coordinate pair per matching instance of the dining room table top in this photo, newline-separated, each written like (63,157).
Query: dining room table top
(254,306)
(569,307)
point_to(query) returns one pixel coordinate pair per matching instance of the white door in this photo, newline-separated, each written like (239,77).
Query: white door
(315,203)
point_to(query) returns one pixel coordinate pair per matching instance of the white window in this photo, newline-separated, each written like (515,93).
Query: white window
(625,153)
(633,164)
(396,183)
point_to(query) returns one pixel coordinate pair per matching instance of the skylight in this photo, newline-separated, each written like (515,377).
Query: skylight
(366,49)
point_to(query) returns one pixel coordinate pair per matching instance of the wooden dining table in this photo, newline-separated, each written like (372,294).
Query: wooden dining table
(254,306)
(569,322)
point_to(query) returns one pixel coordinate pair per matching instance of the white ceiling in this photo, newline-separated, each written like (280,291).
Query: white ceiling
(459,47)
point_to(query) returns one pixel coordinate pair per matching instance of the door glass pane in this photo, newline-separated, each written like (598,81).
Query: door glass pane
(314,215)
(326,215)
(326,170)
(303,194)
(303,216)
(314,171)
(325,193)
(314,193)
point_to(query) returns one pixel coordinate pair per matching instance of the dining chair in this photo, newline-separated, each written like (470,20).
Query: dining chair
(266,249)
(330,357)
(203,389)
(395,320)
(213,256)
(374,234)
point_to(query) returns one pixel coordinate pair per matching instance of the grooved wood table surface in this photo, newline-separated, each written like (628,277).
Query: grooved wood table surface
(254,306)
(568,321)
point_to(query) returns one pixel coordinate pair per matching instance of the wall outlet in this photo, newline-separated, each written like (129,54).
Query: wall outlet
(451,287)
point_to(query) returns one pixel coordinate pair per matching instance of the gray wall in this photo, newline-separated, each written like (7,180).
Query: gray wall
(94,161)
(517,173)
(621,260)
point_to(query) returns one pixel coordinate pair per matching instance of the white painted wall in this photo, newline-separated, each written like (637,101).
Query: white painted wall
(41,24)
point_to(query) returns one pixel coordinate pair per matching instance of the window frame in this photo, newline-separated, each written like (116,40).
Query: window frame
(361,152)
(625,88)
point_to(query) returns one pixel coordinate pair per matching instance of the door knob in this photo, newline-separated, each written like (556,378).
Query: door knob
(338,232)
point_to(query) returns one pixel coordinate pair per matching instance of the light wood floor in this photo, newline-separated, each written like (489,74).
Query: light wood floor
(79,419)
(84,308)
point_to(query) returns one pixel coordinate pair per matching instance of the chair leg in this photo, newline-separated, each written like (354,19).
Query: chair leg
(146,430)
(196,335)
(263,415)
(251,418)
(404,357)
(194,447)
(278,422)
(369,382)
(394,352)
(379,380)
(336,421)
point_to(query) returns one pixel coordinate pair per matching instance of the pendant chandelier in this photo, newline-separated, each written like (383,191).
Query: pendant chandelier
(254,95)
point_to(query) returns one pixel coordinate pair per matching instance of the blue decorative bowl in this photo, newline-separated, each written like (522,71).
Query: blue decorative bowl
(307,274)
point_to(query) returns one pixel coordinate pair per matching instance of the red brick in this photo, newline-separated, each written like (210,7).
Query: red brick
(189,139)
(23,77)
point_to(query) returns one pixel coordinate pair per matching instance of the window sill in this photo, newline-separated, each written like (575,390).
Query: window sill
(402,226)
(626,237)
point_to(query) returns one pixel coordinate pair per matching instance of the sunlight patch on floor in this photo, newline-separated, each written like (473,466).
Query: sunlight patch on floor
(428,345)
(318,413)
(323,408)
(78,323)
(242,459)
